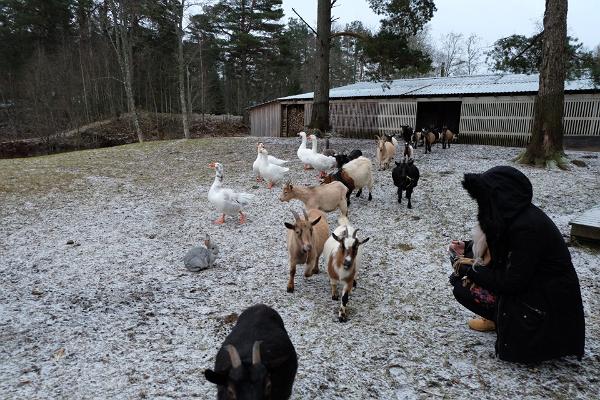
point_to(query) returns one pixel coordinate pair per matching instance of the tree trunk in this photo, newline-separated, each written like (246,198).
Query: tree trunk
(128,78)
(181,69)
(319,118)
(123,49)
(547,131)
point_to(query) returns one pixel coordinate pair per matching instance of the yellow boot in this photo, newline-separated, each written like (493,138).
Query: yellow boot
(482,325)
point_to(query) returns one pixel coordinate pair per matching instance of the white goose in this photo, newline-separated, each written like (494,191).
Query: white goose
(304,154)
(271,159)
(271,172)
(226,201)
(320,162)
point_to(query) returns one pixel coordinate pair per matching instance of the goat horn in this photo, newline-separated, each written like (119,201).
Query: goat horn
(354,234)
(305,214)
(256,352)
(295,214)
(234,356)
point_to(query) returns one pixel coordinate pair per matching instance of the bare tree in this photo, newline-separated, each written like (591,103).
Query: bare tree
(473,54)
(119,36)
(181,68)
(547,131)
(450,54)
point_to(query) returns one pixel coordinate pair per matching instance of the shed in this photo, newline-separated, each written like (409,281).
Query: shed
(491,109)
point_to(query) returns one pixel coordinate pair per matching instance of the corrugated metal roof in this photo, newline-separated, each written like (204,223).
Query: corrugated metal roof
(448,86)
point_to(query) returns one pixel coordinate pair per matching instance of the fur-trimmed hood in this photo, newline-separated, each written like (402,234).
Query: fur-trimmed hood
(501,194)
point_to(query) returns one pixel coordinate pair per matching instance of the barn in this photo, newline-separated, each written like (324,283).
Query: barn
(486,109)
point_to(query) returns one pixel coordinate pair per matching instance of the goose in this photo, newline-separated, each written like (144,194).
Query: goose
(271,172)
(304,154)
(320,162)
(226,201)
(271,159)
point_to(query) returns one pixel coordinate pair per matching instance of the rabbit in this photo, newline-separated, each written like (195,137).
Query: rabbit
(200,258)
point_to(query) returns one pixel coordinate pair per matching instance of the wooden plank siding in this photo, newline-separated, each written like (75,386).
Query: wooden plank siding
(507,120)
(265,120)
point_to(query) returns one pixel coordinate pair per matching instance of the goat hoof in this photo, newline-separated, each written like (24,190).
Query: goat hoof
(336,297)
(343,318)
(290,289)
(409,206)
(370,197)
(354,284)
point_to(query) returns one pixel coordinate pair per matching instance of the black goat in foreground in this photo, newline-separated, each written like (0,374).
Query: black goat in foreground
(405,176)
(257,359)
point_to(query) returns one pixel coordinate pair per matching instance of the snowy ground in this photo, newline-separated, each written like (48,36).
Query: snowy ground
(115,315)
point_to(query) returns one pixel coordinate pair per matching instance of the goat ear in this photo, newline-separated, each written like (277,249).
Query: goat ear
(316,221)
(363,241)
(215,377)
(289,226)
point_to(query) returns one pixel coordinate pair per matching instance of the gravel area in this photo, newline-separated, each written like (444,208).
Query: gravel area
(95,301)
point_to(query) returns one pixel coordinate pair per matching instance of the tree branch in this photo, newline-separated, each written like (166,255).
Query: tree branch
(534,40)
(311,28)
(355,35)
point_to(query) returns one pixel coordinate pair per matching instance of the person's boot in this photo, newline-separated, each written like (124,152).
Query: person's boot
(482,324)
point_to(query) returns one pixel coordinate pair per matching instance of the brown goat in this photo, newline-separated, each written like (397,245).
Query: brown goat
(447,137)
(324,197)
(305,240)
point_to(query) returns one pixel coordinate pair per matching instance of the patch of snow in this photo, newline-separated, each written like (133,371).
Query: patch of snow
(133,322)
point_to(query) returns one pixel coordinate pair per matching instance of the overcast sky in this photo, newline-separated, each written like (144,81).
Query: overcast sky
(489,19)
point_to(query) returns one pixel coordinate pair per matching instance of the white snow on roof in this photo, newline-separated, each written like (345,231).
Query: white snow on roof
(453,85)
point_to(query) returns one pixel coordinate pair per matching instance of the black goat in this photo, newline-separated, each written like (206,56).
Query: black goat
(407,133)
(342,158)
(405,176)
(257,359)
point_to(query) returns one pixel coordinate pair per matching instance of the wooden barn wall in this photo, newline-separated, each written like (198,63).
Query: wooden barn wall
(265,120)
(582,115)
(496,120)
(507,120)
(367,118)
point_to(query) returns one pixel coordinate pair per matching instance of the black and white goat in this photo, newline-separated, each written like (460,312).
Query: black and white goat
(343,158)
(406,177)
(257,359)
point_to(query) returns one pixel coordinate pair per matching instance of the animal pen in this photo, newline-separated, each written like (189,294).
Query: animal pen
(483,109)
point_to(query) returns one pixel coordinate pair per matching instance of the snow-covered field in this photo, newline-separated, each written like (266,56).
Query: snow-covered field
(116,315)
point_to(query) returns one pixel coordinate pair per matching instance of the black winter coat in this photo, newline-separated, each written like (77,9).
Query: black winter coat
(539,308)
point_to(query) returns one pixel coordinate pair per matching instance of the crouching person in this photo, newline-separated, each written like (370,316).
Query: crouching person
(537,307)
